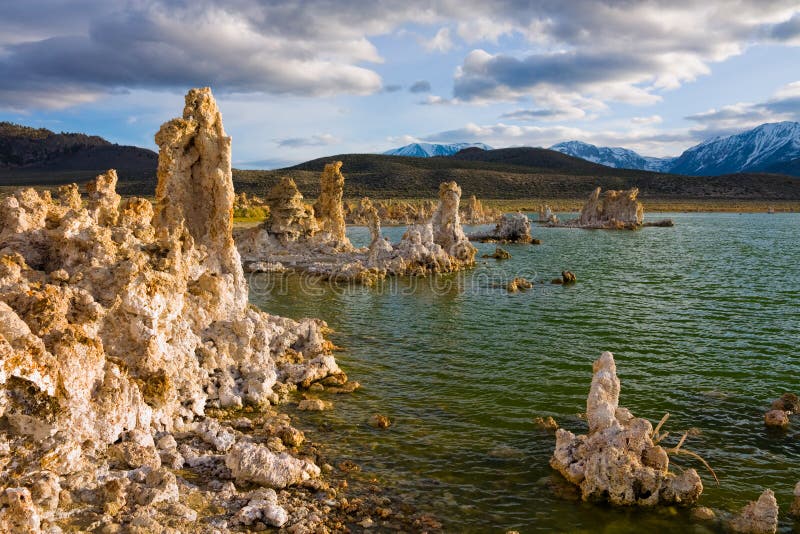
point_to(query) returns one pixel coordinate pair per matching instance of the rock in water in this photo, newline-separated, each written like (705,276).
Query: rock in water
(447,231)
(615,209)
(328,209)
(758,517)
(617,460)
(512,228)
(119,324)
(794,510)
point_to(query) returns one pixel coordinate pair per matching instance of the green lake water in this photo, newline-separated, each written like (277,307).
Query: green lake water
(704,322)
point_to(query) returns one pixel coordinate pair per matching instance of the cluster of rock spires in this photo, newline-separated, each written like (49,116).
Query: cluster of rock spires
(398,212)
(121,327)
(312,239)
(613,210)
(620,461)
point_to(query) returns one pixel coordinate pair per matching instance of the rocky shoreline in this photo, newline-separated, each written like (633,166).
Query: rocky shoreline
(130,354)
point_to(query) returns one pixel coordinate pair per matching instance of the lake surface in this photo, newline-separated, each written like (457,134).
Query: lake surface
(704,322)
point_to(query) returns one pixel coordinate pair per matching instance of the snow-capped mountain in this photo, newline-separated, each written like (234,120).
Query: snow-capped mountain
(764,148)
(617,157)
(772,147)
(429,150)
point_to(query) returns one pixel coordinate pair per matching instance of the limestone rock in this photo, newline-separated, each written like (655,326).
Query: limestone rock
(512,228)
(517,284)
(290,218)
(788,402)
(255,463)
(119,323)
(475,213)
(380,421)
(757,517)
(447,231)
(18,514)
(328,208)
(776,419)
(794,509)
(615,209)
(439,245)
(547,216)
(617,460)
(498,254)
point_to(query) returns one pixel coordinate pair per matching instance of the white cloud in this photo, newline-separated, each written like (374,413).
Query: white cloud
(652,119)
(440,42)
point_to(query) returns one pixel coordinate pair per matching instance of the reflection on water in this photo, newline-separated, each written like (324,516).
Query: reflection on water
(703,319)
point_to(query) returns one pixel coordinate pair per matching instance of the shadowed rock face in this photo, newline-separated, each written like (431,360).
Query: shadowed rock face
(617,460)
(119,325)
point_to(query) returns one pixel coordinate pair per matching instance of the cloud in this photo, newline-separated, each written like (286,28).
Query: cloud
(782,106)
(314,140)
(652,119)
(440,42)
(646,141)
(393,88)
(603,51)
(435,100)
(422,86)
(611,51)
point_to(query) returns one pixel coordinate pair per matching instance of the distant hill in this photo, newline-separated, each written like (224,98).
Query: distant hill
(41,156)
(771,147)
(429,150)
(513,173)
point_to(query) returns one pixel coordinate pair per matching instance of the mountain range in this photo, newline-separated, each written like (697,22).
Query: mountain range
(430,150)
(772,148)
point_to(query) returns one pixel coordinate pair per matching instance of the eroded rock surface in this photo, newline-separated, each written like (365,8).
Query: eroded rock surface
(757,517)
(439,245)
(121,326)
(617,461)
(512,228)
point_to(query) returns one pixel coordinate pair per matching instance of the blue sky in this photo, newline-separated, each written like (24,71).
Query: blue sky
(319,77)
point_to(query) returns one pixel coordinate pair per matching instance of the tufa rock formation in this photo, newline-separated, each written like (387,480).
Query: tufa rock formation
(512,228)
(757,517)
(289,218)
(794,509)
(616,209)
(618,461)
(121,329)
(328,208)
(436,246)
(475,213)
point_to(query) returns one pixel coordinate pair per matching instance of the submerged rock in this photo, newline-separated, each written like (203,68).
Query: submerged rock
(788,402)
(618,461)
(776,419)
(518,284)
(499,254)
(380,421)
(757,517)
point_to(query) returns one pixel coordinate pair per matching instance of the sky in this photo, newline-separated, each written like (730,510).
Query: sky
(311,78)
